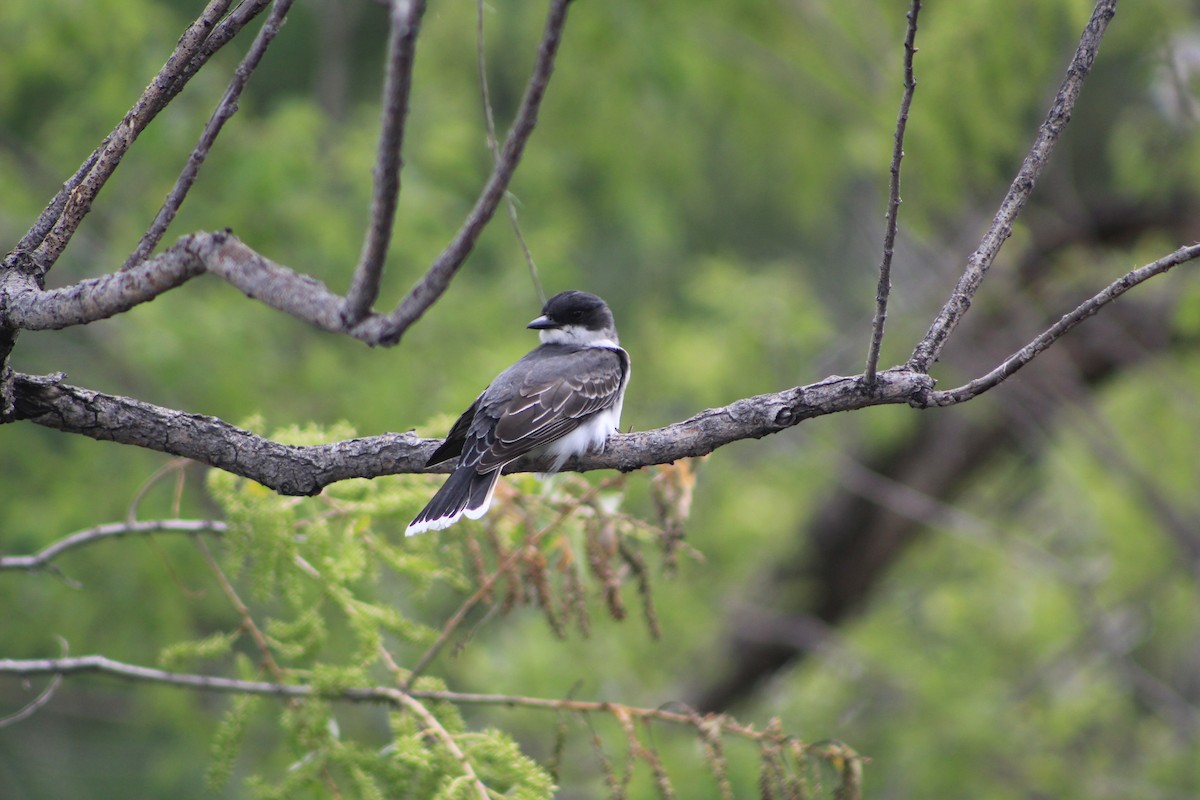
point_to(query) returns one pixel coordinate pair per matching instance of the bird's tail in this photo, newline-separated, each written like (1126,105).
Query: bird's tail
(464,492)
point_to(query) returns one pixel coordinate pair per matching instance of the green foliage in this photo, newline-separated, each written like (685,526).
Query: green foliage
(213,646)
(339,599)
(227,740)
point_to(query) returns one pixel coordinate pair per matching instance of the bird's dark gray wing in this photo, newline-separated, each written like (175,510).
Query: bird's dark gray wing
(551,399)
(457,436)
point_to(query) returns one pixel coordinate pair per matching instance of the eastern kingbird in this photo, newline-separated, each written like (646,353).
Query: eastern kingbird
(562,399)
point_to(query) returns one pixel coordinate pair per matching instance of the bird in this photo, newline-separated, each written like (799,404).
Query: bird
(562,399)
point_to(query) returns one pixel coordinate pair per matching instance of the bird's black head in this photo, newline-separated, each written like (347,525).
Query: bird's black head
(579,310)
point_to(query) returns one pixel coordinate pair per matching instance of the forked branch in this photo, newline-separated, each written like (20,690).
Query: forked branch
(1084,310)
(53,230)
(224,111)
(437,279)
(930,347)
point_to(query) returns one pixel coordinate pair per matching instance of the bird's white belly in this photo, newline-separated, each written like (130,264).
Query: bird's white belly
(590,436)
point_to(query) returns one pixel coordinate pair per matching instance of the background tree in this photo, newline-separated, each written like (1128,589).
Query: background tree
(722,186)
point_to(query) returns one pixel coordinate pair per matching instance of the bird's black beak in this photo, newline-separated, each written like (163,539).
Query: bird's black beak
(542,323)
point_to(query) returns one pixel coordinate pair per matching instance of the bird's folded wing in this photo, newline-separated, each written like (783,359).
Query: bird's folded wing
(549,404)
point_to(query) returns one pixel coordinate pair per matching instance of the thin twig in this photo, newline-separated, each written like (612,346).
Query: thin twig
(113,530)
(372,694)
(174,466)
(32,707)
(1069,321)
(43,697)
(246,619)
(212,129)
(437,279)
(494,145)
(930,347)
(364,289)
(889,236)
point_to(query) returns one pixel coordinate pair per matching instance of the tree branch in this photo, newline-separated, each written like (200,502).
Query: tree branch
(287,469)
(386,694)
(306,470)
(437,278)
(25,306)
(224,31)
(295,470)
(364,289)
(114,530)
(225,109)
(930,347)
(189,55)
(1068,321)
(50,214)
(889,236)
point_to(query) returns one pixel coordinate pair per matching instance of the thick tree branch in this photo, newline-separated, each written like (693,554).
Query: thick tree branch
(1068,321)
(225,109)
(24,305)
(287,469)
(295,470)
(889,237)
(930,347)
(405,19)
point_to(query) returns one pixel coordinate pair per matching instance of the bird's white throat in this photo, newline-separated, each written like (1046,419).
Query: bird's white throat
(579,336)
